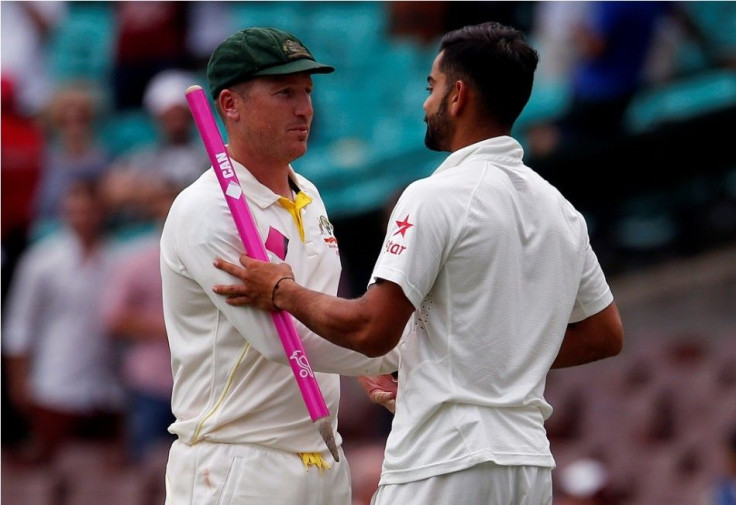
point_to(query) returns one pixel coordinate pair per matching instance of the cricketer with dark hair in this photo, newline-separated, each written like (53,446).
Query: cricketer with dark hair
(495,266)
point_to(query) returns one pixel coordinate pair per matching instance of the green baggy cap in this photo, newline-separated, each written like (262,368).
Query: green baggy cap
(255,52)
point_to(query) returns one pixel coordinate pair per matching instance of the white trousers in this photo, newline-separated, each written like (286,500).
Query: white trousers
(483,484)
(229,474)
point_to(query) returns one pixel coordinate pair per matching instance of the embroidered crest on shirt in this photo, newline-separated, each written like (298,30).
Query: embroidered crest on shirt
(393,247)
(326,228)
(277,243)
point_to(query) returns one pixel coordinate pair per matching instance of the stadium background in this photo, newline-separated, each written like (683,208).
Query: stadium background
(660,199)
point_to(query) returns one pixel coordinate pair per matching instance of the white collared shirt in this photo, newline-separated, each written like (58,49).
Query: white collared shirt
(232,383)
(496,263)
(54,318)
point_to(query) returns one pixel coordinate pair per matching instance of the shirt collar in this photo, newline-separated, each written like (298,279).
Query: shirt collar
(503,149)
(255,191)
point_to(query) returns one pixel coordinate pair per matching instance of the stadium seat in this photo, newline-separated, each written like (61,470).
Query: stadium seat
(289,16)
(81,48)
(682,99)
(125,131)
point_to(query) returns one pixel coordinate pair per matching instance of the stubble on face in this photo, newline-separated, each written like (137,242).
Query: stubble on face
(438,132)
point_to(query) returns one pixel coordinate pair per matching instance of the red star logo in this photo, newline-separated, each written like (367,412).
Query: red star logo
(403,226)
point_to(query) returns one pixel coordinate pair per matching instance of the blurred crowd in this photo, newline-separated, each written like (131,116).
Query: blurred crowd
(83,341)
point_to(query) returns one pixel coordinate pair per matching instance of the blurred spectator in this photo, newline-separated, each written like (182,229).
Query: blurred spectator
(20,158)
(723,491)
(209,24)
(423,21)
(61,372)
(553,28)
(583,482)
(26,29)
(151,38)
(72,151)
(613,40)
(134,313)
(177,156)
(21,151)
(427,21)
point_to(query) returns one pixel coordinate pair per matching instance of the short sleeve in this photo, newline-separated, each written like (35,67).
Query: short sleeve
(593,295)
(418,237)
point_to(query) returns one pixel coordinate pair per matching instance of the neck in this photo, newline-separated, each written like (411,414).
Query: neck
(472,133)
(88,244)
(274,174)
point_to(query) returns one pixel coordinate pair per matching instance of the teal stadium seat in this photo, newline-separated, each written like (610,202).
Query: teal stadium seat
(288,16)
(549,101)
(717,22)
(681,100)
(125,131)
(81,48)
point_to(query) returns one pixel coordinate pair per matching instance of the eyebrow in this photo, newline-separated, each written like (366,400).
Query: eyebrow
(430,79)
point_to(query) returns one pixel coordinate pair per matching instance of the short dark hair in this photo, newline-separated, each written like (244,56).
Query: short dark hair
(497,61)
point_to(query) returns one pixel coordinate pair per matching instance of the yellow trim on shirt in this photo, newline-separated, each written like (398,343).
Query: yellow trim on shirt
(294,208)
(314,459)
(230,379)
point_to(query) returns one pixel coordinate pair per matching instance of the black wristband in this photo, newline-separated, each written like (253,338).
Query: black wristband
(275,287)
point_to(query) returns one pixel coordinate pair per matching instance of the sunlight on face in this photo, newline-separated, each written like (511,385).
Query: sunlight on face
(277,114)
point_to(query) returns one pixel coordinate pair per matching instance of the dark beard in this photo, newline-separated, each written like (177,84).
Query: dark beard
(438,129)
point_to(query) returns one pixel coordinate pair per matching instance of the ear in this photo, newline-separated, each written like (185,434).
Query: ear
(227,102)
(459,98)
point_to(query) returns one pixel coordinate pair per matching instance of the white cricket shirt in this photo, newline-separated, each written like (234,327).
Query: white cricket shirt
(496,263)
(54,317)
(232,383)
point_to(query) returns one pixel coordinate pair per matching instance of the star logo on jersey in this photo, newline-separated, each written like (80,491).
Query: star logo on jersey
(403,226)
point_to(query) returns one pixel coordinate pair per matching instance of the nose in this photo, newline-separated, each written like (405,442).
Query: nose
(304,106)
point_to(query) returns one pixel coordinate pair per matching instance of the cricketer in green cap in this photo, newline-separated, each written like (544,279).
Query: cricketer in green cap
(255,52)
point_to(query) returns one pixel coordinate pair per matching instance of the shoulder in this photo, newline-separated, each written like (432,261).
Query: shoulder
(449,188)
(49,253)
(57,244)
(201,196)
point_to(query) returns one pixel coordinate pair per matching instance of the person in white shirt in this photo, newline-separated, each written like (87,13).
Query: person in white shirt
(244,435)
(496,267)
(60,360)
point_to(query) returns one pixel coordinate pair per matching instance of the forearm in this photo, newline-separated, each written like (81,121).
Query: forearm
(17,373)
(597,337)
(135,325)
(346,323)
(577,349)
(371,325)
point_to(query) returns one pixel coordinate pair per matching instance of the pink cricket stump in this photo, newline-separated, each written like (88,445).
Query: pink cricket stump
(254,248)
